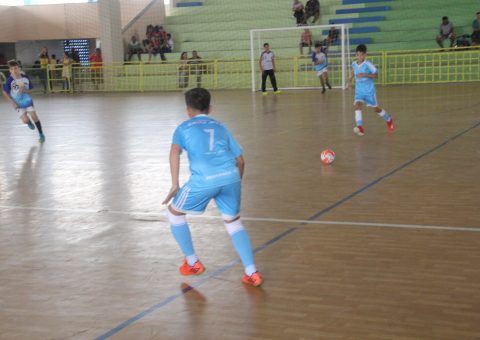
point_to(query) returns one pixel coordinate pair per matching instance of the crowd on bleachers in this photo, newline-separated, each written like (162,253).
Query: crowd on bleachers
(447,32)
(302,13)
(307,39)
(157,41)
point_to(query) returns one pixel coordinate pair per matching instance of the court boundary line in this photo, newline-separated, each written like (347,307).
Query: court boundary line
(157,216)
(173,297)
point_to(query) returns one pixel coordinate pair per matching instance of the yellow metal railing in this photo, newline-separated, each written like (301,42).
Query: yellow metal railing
(395,67)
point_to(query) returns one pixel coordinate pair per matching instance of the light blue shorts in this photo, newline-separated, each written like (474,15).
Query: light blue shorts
(368,99)
(190,200)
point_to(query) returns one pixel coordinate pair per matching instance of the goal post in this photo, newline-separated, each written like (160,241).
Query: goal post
(293,69)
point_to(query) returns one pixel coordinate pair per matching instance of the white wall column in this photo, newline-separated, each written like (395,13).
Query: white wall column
(110,30)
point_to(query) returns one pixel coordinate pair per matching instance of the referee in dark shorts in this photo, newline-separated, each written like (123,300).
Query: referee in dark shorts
(267,65)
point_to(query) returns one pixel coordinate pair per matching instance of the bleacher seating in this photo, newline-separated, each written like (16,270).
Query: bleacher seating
(220,28)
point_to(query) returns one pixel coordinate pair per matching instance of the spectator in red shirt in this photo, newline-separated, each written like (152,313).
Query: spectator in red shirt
(306,41)
(96,63)
(148,36)
(159,32)
(156,47)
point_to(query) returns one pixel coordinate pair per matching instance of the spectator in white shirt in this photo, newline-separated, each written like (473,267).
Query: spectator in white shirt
(446,32)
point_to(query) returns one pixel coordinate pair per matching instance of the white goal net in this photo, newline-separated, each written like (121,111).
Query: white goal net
(293,47)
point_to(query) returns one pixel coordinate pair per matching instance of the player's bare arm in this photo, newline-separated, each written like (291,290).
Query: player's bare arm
(240,165)
(9,99)
(174,171)
(350,80)
(367,75)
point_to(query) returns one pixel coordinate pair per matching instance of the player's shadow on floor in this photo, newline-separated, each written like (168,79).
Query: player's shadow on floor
(256,295)
(195,303)
(27,181)
(191,294)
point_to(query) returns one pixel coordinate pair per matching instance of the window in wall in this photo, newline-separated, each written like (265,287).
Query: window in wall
(81,46)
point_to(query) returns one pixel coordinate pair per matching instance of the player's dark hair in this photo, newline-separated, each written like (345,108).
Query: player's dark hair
(478,13)
(12,63)
(198,99)
(318,44)
(265,45)
(445,18)
(361,48)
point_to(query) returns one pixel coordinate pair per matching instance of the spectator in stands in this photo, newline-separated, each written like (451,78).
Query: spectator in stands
(183,71)
(446,32)
(96,62)
(44,60)
(297,9)
(169,45)
(148,37)
(332,37)
(135,47)
(159,32)
(155,48)
(476,30)
(44,55)
(306,41)
(67,72)
(75,56)
(312,9)
(52,70)
(195,68)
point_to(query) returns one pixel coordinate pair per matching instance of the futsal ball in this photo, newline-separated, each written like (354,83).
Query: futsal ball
(327,156)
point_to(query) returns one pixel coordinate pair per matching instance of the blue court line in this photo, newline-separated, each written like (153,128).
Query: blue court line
(233,263)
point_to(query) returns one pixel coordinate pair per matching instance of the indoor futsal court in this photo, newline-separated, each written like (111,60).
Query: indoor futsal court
(382,242)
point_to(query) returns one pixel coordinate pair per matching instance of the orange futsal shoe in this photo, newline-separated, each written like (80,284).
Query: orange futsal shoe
(255,279)
(196,269)
(390,125)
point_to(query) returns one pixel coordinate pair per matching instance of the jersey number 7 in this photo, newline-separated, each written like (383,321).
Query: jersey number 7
(211,144)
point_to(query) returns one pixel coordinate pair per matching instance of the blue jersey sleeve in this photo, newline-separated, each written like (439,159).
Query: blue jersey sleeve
(371,68)
(7,85)
(314,57)
(30,85)
(178,138)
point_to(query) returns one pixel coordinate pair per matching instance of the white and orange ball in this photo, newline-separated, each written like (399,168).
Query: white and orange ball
(327,156)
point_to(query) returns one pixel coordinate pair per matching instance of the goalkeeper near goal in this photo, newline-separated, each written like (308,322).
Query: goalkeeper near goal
(267,66)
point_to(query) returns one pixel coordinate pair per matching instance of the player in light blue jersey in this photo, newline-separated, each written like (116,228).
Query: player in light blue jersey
(320,65)
(364,73)
(16,90)
(216,166)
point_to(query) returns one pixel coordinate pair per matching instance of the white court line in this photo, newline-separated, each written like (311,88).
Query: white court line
(160,216)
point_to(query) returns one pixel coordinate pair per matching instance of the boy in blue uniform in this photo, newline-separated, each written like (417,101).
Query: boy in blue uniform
(16,90)
(216,166)
(364,73)
(320,65)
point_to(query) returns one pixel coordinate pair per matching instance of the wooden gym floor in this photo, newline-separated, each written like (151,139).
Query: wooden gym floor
(383,244)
